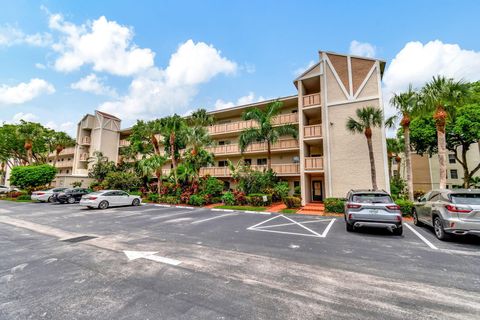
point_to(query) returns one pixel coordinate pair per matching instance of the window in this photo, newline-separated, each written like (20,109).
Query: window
(296,184)
(68,171)
(222,163)
(222,143)
(247,162)
(295,111)
(454,174)
(262,162)
(296,159)
(451,158)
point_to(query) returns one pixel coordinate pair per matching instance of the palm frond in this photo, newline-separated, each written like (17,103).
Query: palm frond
(249,136)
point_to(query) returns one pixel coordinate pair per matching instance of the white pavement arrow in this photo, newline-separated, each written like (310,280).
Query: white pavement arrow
(150,255)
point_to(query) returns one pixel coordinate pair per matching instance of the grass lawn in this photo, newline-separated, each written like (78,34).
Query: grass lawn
(243,208)
(288,210)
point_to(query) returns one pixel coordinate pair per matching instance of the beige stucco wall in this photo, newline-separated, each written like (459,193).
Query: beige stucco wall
(335,92)
(67,180)
(349,160)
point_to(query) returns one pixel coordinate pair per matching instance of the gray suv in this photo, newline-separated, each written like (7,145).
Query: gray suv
(449,212)
(372,208)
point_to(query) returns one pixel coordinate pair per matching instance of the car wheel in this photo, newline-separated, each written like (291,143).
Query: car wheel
(439,231)
(50,199)
(103,205)
(349,227)
(89,207)
(415,218)
(135,202)
(71,200)
(398,231)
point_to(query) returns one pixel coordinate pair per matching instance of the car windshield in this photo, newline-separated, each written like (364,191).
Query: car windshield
(371,198)
(97,193)
(57,189)
(466,198)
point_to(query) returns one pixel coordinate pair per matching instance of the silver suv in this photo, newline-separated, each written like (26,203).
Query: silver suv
(449,212)
(372,208)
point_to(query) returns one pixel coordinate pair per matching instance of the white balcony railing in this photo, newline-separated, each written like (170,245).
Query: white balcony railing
(85,141)
(283,169)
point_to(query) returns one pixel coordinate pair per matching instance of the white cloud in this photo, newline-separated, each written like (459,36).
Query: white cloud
(10,36)
(29,117)
(250,98)
(158,92)
(363,49)
(68,127)
(301,70)
(104,44)
(40,66)
(24,92)
(93,84)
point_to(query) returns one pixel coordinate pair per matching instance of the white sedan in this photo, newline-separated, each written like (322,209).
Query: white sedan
(46,195)
(109,198)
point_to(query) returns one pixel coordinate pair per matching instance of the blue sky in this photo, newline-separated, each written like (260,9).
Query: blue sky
(167,56)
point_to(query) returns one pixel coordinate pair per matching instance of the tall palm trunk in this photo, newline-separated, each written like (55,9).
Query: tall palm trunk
(174,160)
(159,180)
(368,134)
(408,162)
(440,120)
(28,147)
(156,146)
(269,156)
(398,159)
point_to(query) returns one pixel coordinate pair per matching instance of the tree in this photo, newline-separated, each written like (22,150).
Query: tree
(367,118)
(31,133)
(394,149)
(60,141)
(265,131)
(442,96)
(406,104)
(32,176)
(101,166)
(196,161)
(153,165)
(174,130)
(144,138)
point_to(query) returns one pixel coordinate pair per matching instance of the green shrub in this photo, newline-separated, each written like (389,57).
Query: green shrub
(240,198)
(335,205)
(121,180)
(170,199)
(292,202)
(76,184)
(196,200)
(135,193)
(32,176)
(215,199)
(281,190)
(154,197)
(211,186)
(397,187)
(406,206)
(297,190)
(253,181)
(256,199)
(228,198)
(24,197)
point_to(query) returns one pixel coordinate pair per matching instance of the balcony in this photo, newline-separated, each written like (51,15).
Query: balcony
(313,163)
(311,100)
(84,156)
(284,144)
(240,125)
(314,131)
(124,143)
(64,164)
(284,169)
(85,141)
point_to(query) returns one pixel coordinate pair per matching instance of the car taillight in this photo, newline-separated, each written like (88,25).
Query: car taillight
(353,206)
(40,193)
(350,216)
(91,198)
(451,208)
(393,207)
(398,218)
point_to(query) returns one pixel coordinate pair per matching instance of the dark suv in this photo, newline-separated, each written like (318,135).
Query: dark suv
(372,208)
(71,195)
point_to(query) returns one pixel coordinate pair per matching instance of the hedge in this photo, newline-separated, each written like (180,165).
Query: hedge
(292,202)
(335,205)
(27,177)
(256,199)
(406,206)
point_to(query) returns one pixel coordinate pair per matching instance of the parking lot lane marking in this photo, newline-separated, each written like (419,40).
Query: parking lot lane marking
(324,234)
(301,225)
(285,232)
(5,211)
(431,245)
(291,223)
(161,216)
(259,224)
(216,217)
(150,255)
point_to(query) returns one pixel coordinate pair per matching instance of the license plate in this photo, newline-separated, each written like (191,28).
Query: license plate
(373,211)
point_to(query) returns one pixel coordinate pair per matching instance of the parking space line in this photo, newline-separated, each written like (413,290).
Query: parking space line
(431,245)
(324,234)
(291,223)
(301,225)
(161,216)
(216,217)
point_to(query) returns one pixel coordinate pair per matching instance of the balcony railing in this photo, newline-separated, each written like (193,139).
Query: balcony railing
(284,144)
(84,157)
(85,141)
(283,169)
(313,163)
(311,100)
(64,164)
(314,131)
(124,143)
(240,125)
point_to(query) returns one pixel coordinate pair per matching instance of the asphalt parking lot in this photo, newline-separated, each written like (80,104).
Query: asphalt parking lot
(153,262)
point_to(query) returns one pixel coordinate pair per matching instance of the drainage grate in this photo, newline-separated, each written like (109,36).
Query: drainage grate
(79,239)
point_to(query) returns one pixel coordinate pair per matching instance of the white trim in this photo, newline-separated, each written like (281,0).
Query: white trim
(316,74)
(326,129)
(350,80)
(216,217)
(384,136)
(364,83)
(339,81)
(354,101)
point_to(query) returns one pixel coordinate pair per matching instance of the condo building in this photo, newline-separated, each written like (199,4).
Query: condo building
(326,160)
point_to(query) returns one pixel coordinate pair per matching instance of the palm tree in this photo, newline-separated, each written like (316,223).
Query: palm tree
(200,118)
(153,165)
(367,118)
(28,131)
(442,96)
(174,130)
(60,141)
(406,104)
(265,131)
(144,137)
